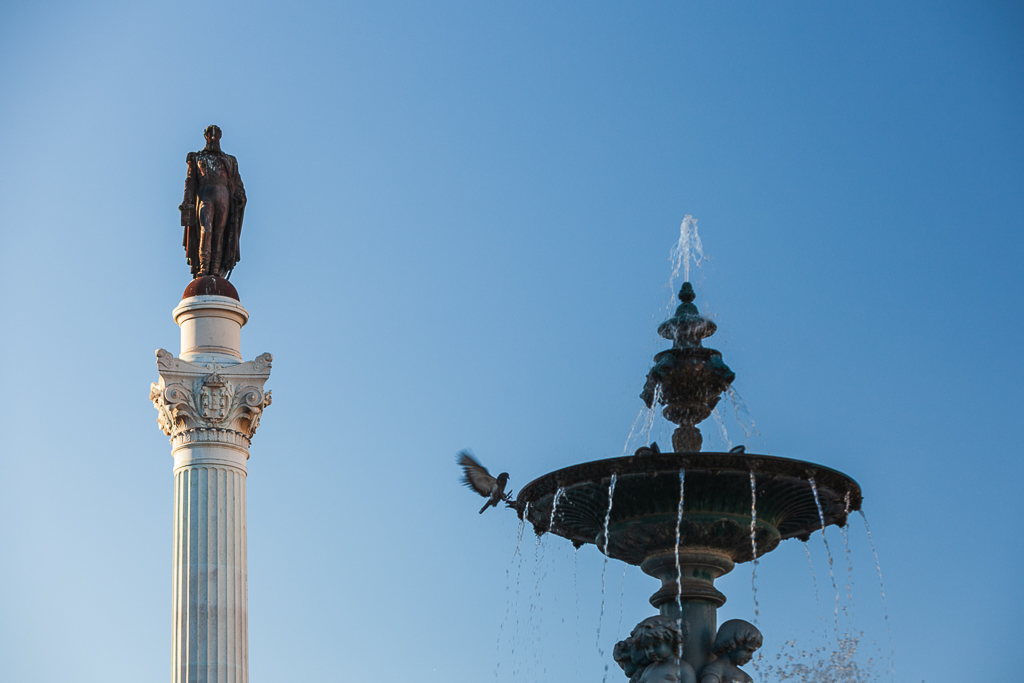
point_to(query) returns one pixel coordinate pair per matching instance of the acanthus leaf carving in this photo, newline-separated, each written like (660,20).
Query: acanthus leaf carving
(211,399)
(164,359)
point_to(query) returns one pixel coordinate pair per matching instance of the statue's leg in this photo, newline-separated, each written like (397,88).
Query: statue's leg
(218,250)
(206,223)
(219,228)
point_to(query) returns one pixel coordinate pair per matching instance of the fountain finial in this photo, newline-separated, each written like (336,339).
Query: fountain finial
(687,379)
(686,294)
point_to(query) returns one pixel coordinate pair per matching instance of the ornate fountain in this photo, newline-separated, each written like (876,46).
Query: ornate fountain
(687,517)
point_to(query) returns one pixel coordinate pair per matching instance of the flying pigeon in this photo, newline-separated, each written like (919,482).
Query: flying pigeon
(476,477)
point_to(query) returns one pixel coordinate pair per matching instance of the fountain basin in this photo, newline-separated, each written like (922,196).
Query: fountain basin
(716,503)
(714,530)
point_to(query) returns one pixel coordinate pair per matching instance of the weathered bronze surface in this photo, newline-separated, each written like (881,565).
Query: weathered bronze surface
(734,646)
(714,530)
(653,653)
(688,545)
(716,503)
(212,209)
(687,379)
(633,510)
(210,286)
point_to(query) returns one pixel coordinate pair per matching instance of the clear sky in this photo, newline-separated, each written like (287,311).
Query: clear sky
(457,236)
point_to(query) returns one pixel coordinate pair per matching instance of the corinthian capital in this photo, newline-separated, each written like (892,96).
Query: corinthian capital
(210,402)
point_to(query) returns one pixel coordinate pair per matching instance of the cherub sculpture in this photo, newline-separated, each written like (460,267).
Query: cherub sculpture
(653,653)
(734,645)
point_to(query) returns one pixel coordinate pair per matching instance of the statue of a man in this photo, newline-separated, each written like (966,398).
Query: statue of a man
(212,210)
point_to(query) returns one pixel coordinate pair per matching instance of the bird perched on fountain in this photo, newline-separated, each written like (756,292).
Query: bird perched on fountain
(476,477)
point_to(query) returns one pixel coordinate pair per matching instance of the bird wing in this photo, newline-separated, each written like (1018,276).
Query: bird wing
(475,475)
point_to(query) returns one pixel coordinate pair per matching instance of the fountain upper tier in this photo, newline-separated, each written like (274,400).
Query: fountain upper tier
(687,379)
(717,503)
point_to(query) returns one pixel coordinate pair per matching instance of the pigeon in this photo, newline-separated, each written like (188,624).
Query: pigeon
(649,450)
(476,477)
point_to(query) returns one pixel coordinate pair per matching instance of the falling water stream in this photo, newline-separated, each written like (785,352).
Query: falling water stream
(554,506)
(540,571)
(721,429)
(622,597)
(753,545)
(756,663)
(649,418)
(814,577)
(576,587)
(508,607)
(608,514)
(542,566)
(632,430)
(817,603)
(534,600)
(679,524)
(844,530)
(604,567)
(828,552)
(881,585)
(742,413)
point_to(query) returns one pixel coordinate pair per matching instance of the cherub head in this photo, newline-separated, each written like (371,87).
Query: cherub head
(736,641)
(623,655)
(657,639)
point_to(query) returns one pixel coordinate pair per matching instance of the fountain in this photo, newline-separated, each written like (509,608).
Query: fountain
(687,517)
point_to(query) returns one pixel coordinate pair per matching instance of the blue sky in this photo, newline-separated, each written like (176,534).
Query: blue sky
(457,236)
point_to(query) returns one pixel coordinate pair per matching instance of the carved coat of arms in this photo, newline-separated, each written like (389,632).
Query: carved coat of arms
(213,399)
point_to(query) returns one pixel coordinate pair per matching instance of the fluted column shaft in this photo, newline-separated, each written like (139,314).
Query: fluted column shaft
(210,404)
(210,598)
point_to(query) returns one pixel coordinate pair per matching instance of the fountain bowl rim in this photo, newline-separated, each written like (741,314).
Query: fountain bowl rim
(708,461)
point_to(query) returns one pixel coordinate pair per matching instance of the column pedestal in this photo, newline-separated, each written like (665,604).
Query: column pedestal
(694,599)
(209,403)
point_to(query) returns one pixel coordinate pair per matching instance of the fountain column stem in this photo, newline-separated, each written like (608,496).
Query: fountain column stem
(690,596)
(209,403)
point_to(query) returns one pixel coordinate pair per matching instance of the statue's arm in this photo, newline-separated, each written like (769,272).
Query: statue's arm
(711,673)
(239,192)
(188,204)
(687,674)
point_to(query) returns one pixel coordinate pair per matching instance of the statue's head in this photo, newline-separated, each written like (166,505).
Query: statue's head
(623,655)
(737,639)
(212,135)
(657,639)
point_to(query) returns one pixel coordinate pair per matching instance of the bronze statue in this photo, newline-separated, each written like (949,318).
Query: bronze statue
(735,644)
(212,209)
(653,653)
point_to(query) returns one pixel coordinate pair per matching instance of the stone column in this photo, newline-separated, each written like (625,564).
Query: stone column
(209,403)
